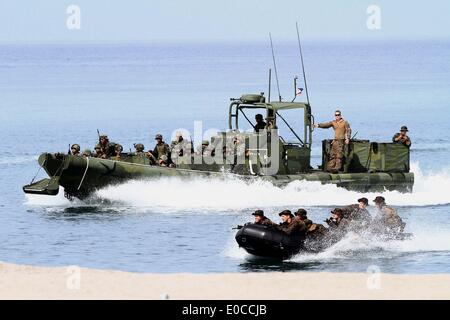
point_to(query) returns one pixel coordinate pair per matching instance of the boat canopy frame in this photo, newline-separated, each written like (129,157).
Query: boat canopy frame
(272,111)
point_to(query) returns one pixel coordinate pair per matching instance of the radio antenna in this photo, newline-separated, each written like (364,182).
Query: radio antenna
(275,67)
(303,66)
(270,84)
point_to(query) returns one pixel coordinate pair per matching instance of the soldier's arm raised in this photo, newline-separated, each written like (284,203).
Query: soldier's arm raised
(324,125)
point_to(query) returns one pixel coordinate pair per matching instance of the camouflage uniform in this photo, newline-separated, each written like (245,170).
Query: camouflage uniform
(139,149)
(98,151)
(308,223)
(296,227)
(161,149)
(75,149)
(405,140)
(388,220)
(342,131)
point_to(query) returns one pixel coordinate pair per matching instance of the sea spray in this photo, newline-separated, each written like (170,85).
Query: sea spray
(234,193)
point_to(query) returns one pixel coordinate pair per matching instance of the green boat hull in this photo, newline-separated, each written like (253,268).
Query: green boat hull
(80,176)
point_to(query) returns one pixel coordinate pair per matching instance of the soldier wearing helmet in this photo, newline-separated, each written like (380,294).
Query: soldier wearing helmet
(108,148)
(87,153)
(161,149)
(180,147)
(98,151)
(118,152)
(139,149)
(75,150)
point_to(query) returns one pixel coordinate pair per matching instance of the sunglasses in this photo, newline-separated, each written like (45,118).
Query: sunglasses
(337,115)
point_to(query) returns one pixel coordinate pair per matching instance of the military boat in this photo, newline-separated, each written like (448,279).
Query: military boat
(279,155)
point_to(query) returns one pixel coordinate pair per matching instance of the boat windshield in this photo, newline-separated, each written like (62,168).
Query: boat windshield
(246,118)
(291,124)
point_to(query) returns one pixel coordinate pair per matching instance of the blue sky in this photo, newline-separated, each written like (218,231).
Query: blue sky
(44,21)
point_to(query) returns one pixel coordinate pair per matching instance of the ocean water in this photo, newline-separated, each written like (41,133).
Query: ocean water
(54,95)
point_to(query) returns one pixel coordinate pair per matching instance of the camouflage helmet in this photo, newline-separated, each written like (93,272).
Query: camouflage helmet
(158,136)
(118,147)
(104,136)
(205,143)
(98,146)
(75,146)
(139,147)
(87,152)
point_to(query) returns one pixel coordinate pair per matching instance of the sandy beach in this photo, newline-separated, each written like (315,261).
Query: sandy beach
(28,282)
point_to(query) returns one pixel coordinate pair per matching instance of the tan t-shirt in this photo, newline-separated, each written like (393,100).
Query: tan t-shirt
(341,128)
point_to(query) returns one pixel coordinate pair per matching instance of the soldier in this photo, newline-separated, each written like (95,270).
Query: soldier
(261,219)
(358,212)
(362,214)
(301,214)
(336,222)
(260,124)
(118,152)
(291,226)
(98,151)
(176,147)
(108,148)
(401,137)
(75,150)
(205,149)
(139,149)
(342,133)
(161,148)
(87,153)
(387,220)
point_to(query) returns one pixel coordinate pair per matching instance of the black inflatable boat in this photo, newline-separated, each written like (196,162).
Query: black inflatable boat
(265,241)
(268,242)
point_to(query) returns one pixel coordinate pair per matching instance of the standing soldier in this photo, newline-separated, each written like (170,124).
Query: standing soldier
(342,133)
(75,150)
(260,124)
(402,137)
